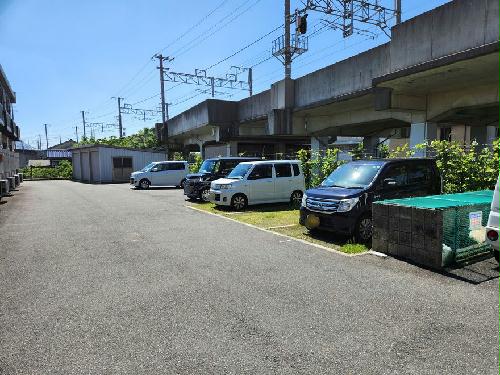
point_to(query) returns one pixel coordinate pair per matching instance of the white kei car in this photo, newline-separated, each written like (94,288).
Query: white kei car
(257,182)
(492,227)
(161,173)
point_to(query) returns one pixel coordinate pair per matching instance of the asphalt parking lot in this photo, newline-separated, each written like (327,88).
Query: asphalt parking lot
(102,279)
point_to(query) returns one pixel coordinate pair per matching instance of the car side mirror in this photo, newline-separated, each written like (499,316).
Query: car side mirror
(154,169)
(390,182)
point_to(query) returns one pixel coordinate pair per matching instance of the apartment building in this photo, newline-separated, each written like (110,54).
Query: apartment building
(9,131)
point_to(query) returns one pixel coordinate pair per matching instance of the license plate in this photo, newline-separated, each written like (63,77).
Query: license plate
(312,221)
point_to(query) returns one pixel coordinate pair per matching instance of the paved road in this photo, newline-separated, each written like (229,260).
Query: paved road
(106,280)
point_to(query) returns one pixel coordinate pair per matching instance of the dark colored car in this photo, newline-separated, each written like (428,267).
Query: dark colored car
(197,185)
(343,202)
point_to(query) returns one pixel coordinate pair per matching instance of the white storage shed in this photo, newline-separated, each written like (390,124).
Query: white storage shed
(106,164)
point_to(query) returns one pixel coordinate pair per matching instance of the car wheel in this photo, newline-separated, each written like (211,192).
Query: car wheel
(205,195)
(144,184)
(296,198)
(182,184)
(364,229)
(239,202)
(496,253)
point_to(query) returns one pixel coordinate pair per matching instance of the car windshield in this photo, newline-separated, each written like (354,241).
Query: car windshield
(239,171)
(352,176)
(148,167)
(208,166)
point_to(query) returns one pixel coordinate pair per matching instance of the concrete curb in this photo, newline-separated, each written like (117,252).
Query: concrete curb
(280,234)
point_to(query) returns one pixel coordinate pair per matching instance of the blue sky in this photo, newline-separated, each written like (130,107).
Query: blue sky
(64,56)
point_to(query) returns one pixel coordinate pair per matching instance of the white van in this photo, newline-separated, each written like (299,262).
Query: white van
(161,173)
(492,227)
(256,182)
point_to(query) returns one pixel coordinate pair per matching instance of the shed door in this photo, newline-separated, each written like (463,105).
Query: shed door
(77,171)
(85,165)
(122,168)
(94,167)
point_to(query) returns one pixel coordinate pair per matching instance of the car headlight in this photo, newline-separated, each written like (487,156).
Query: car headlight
(347,204)
(304,199)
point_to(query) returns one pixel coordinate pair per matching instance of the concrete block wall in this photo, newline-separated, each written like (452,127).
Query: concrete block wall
(409,233)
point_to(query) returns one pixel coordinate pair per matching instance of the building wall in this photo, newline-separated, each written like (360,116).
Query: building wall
(9,163)
(97,162)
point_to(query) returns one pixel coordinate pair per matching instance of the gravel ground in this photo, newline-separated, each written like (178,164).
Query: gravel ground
(107,280)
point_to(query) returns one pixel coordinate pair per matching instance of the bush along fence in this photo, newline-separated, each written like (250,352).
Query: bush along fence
(64,170)
(462,168)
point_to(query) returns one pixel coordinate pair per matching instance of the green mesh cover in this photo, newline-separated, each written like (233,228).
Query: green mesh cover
(446,200)
(464,216)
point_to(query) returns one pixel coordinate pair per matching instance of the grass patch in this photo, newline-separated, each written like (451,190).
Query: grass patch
(283,219)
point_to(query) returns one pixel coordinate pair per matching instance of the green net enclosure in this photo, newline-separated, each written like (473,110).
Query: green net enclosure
(436,231)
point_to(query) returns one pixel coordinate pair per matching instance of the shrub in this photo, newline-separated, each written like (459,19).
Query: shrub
(462,169)
(195,166)
(63,170)
(316,166)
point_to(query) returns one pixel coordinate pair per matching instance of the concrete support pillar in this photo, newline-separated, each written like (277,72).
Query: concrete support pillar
(318,144)
(202,151)
(280,148)
(421,133)
(483,135)
(491,134)
(232,148)
(370,144)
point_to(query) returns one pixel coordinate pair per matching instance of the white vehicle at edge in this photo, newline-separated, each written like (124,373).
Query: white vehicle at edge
(160,173)
(256,182)
(493,222)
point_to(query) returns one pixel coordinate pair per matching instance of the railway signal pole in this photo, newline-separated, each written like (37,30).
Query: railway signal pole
(164,108)
(83,123)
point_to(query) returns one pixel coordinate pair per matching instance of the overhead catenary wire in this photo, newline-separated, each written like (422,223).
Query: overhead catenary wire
(202,37)
(203,19)
(143,67)
(244,48)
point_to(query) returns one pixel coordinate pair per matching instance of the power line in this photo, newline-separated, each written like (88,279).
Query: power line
(221,4)
(120,91)
(218,27)
(244,48)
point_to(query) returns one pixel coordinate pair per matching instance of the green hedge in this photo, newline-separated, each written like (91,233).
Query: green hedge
(63,170)
(462,169)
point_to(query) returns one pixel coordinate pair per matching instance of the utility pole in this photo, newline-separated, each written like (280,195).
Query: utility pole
(397,8)
(46,137)
(76,133)
(83,122)
(288,51)
(164,109)
(250,81)
(60,140)
(120,125)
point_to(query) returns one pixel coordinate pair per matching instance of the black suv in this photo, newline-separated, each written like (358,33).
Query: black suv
(343,202)
(197,185)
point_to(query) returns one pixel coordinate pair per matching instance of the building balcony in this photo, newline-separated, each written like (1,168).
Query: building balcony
(8,126)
